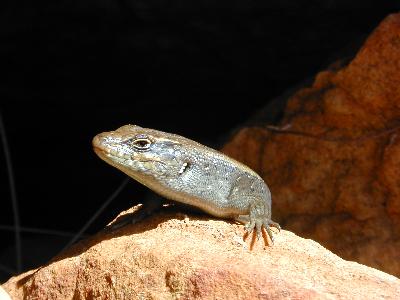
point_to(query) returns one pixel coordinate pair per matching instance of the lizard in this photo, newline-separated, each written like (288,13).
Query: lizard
(188,172)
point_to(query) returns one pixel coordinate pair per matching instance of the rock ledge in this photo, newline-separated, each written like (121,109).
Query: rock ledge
(173,256)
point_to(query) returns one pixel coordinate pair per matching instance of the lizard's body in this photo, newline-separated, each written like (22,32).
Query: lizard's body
(185,171)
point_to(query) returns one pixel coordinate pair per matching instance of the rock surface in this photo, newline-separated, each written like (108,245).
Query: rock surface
(333,163)
(4,295)
(172,256)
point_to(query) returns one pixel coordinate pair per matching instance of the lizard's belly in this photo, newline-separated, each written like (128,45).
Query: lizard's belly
(209,203)
(209,195)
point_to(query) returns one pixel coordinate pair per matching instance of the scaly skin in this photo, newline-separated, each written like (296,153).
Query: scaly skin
(185,171)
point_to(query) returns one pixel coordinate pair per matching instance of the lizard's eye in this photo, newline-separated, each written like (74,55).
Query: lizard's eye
(141,143)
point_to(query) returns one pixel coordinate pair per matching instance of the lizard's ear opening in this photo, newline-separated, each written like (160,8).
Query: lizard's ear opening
(184,167)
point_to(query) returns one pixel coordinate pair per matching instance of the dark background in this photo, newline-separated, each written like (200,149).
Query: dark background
(72,69)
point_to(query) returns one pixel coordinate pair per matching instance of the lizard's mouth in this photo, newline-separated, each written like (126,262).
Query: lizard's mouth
(98,149)
(98,141)
(113,160)
(100,152)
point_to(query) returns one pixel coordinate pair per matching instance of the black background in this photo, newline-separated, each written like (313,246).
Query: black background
(72,69)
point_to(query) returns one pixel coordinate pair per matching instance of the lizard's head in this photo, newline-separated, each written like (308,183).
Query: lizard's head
(144,154)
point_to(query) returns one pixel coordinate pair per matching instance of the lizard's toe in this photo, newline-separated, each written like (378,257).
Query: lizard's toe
(268,230)
(249,227)
(274,224)
(258,228)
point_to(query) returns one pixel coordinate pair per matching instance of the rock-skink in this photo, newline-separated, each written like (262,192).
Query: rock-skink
(183,170)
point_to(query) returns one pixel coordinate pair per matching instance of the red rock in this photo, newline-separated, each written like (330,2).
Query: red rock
(169,256)
(333,163)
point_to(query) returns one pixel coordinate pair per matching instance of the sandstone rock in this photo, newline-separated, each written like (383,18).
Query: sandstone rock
(333,163)
(172,256)
(4,295)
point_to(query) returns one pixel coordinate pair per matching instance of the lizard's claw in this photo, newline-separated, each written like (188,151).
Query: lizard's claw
(273,224)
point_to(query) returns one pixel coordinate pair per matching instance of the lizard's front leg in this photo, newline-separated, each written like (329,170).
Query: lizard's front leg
(152,204)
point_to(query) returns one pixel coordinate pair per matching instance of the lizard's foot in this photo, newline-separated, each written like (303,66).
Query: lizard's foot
(258,224)
(259,218)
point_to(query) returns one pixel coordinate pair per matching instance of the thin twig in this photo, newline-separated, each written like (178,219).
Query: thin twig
(13,192)
(97,213)
(38,231)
